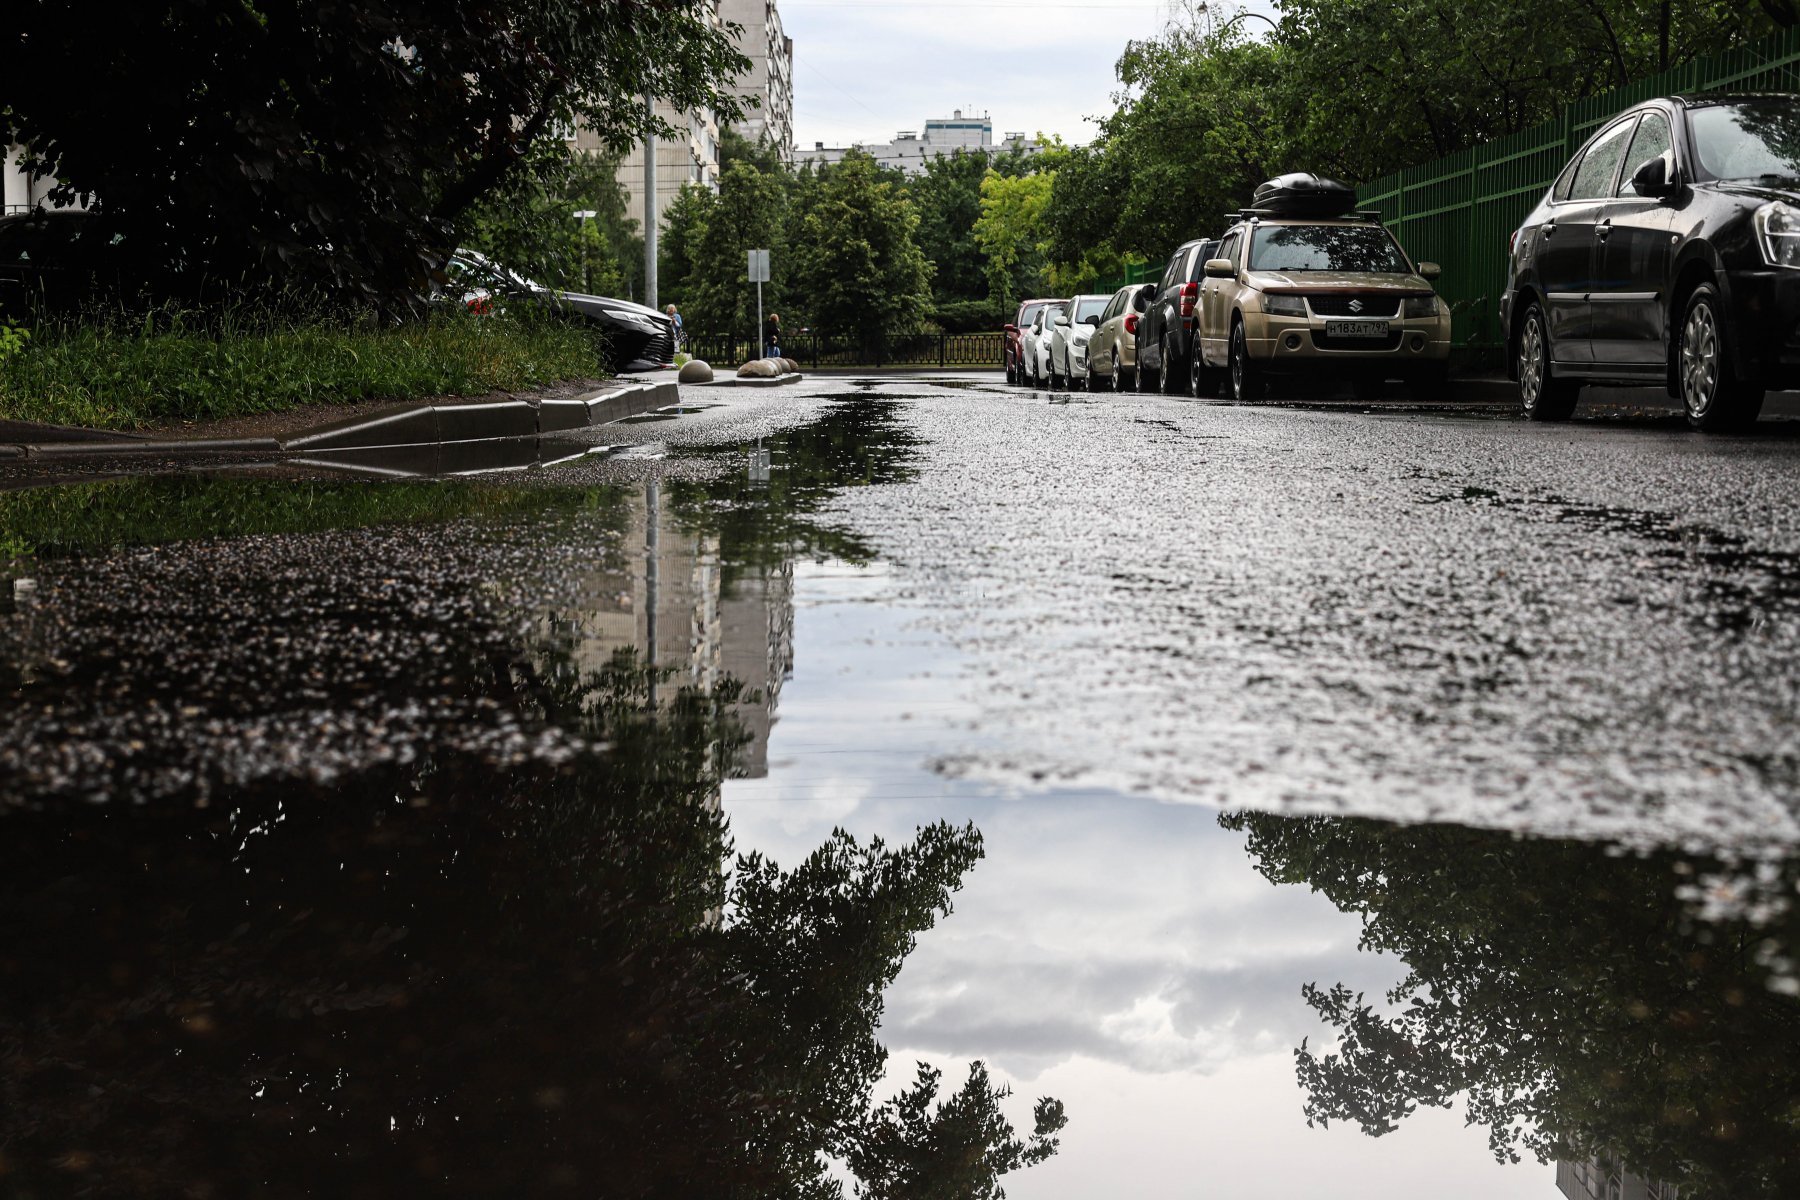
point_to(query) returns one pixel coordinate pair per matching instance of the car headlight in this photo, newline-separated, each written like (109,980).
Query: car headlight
(1284,306)
(1778,232)
(1420,306)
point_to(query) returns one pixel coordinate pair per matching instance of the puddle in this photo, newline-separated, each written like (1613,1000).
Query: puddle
(425,825)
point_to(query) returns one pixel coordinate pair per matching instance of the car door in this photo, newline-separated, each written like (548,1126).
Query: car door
(1567,250)
(1215,306)
(1156,314)
(1100,345)
(1630,295)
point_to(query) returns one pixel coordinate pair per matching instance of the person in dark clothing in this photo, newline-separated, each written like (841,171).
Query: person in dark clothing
(772,336)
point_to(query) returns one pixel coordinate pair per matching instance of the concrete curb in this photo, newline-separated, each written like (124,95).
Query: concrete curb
(753,381)
(402,425)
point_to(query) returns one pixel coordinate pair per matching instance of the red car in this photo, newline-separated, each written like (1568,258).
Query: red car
(1027,310)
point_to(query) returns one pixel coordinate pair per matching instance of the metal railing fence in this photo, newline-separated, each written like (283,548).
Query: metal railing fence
(923,348)
(1460,210)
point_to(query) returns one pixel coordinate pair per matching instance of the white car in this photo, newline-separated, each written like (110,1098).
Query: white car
(1034,346)
(1069,338)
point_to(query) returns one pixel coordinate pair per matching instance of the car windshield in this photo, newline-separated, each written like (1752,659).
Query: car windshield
(1325,248)
(1091,306)
(1749,139)
(1030,314)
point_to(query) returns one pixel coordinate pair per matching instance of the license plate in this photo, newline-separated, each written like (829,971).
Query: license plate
(1356,329)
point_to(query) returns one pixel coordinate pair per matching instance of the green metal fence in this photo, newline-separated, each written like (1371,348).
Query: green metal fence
(1459,211)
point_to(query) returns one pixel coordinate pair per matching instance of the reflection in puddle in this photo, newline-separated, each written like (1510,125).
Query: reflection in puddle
(1585,1006)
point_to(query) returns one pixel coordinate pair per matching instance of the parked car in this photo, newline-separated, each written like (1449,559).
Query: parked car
(637,337)
(1666,253)
(1069,336)
(1112,350)
(1327,296)
(1165,333)
(1034,346)
(1015,332)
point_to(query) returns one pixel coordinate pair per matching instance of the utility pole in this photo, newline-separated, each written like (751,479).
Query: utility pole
(650,202)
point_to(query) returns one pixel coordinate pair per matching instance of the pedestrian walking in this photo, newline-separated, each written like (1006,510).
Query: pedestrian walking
(674,315)
(772,336)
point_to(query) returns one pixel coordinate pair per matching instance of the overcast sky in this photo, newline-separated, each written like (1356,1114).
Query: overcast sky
(1120,954)
(865,69)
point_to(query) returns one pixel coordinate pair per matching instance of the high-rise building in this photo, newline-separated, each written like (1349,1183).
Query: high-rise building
(770,80)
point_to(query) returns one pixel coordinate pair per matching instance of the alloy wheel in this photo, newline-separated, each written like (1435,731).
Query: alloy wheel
(1531,363)
(1700,360)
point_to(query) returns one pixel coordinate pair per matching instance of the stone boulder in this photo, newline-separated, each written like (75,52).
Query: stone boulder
(695,370)
(759,368)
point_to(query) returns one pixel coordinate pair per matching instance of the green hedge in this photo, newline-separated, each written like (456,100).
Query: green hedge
(172,367)
(970,316)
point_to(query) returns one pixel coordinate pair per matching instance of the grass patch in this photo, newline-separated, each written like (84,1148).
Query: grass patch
(174,367)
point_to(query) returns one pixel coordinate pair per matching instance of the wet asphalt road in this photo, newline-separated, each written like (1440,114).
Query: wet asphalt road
(1127,611)
(1410,613)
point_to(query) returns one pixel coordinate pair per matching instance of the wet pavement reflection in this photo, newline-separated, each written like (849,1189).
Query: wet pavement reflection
(557,818)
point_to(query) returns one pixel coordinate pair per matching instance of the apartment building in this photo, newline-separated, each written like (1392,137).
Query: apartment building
(910,149)
(769,83)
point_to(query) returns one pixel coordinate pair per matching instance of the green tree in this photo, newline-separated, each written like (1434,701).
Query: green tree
(679,265)
(529,224)
(907,1151)
(332,145)
(1566,993)
(856,258)
(948,200)
(749,213)
(1013,233)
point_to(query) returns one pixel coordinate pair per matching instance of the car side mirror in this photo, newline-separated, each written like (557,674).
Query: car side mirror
(1429,271)
(1009,327)
(1220,268)
(1092,319)
(1148,295)
(1652,178)
(1062,320)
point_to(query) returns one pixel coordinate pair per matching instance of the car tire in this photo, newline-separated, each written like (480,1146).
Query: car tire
(1146,378)
(1203,380)
(1117,383)
(1715,398)
(1542,396)
(1246,376)
(1172,378)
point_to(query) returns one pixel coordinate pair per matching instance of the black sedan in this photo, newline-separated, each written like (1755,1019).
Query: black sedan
(637,338)
(1667,252)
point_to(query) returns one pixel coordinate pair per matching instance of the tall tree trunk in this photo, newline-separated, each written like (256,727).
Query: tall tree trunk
(1663,17)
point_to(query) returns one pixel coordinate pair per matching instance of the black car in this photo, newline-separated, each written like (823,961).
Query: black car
(1667,252)
(1165,333)
(637,337)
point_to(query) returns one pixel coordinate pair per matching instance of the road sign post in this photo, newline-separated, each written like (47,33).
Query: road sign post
(759,275)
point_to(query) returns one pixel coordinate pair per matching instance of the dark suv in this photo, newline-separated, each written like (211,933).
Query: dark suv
(1165,333)
(1667,252)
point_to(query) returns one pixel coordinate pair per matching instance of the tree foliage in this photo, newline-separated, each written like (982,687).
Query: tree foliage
(1352,89)
(528,222)
(906,1150)
(1565,993)
(856,257)
(948,199)
(337,145)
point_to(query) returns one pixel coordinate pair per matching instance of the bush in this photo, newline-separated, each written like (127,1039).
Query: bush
(971,316)
(175,366)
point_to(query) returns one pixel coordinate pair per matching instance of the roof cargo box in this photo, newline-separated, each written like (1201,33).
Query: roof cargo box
(1304,194)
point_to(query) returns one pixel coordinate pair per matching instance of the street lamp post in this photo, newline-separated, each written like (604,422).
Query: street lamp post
(1241,14)
(584,215)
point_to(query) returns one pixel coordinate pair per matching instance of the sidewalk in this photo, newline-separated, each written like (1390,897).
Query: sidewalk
(418,424)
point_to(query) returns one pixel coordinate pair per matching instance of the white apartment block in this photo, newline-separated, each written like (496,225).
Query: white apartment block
(910,150)
(770,80)
(19,192)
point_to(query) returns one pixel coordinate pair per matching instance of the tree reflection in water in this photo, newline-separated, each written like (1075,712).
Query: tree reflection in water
(454,968)
(1575,997)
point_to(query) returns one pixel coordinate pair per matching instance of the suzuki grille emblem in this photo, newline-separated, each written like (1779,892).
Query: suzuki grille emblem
(1356,306)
